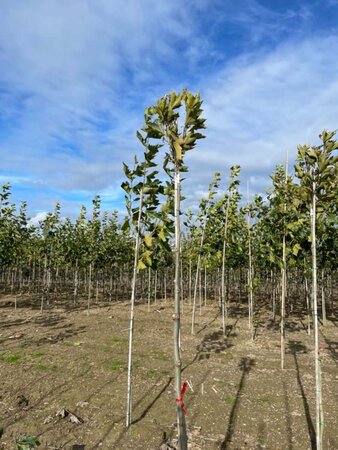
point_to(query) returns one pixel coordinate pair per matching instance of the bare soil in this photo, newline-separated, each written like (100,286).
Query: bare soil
(240,398)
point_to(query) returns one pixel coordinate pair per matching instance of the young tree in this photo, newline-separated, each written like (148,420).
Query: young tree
(205,206)
(145,192)
(317,170)
(180,132)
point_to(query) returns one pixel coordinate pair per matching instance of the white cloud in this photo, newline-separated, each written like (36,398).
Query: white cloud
(39,217)
(75,72)
(83,71)
(257,108)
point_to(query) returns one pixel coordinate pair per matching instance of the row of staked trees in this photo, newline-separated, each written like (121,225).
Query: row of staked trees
(280,250)
(96,250)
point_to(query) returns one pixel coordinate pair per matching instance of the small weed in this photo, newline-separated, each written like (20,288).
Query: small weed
(119,340)
(85,357)
(160,356)
(27,442)
(117,365)
(37,355)
(229,400)
(152,373)
(10,357)
(46,368)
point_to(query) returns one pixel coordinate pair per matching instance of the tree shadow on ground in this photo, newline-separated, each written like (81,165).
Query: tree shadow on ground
(287,416)
(245,365)
(209,323)
(331,346)
(138,419)
(213,343)
(296,347)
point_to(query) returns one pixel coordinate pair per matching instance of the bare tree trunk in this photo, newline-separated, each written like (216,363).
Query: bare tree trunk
(308,308)
(149,288)
(190,284)
(224,306)
(155,288)
(132,314)
(197,279)
(323,299)
(205,286)
(319,412)
(282,312)
(89,285)
(250,277)
(182,433)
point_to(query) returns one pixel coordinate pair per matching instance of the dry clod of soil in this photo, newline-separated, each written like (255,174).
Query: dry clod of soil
(65,414)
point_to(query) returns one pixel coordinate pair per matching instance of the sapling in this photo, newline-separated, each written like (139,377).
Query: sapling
(317,169)
(163,121)
(144,192)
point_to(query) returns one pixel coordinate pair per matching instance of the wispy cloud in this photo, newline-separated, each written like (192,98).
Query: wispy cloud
(76,76)
(258,108)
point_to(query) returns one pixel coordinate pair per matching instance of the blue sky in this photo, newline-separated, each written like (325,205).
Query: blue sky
(76,76)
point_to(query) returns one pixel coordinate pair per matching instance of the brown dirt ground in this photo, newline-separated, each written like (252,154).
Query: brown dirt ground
(241,399)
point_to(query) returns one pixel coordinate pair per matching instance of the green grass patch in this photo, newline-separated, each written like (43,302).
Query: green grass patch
(229,400)
(119,340)
(37,355)
(46,368)
(160,356)
(10,357)
(117,365)
(152,373)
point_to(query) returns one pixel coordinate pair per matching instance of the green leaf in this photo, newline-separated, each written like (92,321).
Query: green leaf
(148,240)
(141,265)
(295,249)
(178,150)
(161,235)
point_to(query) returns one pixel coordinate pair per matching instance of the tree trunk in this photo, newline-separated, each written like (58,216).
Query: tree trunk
(319,414)
(132,314)
(282,309)
(181,426)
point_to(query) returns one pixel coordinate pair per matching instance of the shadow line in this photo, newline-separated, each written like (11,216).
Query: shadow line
(296,346)
(245,365)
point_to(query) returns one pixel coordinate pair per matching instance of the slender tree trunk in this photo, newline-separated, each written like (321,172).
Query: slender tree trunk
(132,314)
(182,433)
(89,285)
(190,284)
(165,286)
(198,269)
(250,276)
(224,306)
(283,281)
(205,286)
(282,311)
(323,299)
(319,414)
(149,287)
(155,288)
(308,308)
(76,280)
